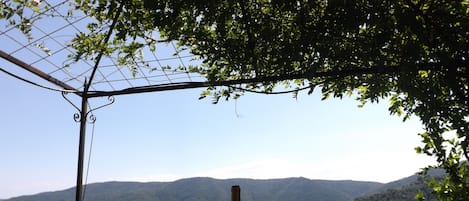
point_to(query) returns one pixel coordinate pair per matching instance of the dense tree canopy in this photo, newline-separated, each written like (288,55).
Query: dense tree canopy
(414,53)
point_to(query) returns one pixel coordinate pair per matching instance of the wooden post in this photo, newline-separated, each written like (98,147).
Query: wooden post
(235,193)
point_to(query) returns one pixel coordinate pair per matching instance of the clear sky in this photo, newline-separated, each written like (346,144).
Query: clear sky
(170,135)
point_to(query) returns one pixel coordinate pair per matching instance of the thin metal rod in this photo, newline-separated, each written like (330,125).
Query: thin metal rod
(191,85)
(375,70)
(100,55)
(81,148)
(37,72)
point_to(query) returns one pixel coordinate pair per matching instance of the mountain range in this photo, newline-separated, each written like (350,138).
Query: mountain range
(209,189)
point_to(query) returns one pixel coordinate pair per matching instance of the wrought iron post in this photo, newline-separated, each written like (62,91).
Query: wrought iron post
(83,116)
(81,147)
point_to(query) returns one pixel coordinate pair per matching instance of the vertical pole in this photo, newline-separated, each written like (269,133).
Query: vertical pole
(81,147)
(235,193)
(84,111)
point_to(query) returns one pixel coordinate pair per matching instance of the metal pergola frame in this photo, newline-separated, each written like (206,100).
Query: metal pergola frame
(87,90)
(85,94)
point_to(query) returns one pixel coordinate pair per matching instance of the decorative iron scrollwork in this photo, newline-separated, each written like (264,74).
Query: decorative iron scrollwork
(111,100)
(89,116)
(64,94)
(77,117)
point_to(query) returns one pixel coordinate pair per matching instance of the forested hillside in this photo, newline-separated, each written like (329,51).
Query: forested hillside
(208,189)
(404,189)
(405,193)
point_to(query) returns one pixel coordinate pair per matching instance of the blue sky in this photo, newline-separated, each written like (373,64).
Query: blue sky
(165,136)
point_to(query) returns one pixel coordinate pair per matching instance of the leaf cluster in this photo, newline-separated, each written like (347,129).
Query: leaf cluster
(19,14)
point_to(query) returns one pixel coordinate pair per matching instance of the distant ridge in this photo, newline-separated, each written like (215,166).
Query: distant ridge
(209,189)
(404,189)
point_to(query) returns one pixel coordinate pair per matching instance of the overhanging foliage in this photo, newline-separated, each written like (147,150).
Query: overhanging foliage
(414,52)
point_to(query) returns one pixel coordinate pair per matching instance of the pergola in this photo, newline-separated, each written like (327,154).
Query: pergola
(43,58)
(37,47)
